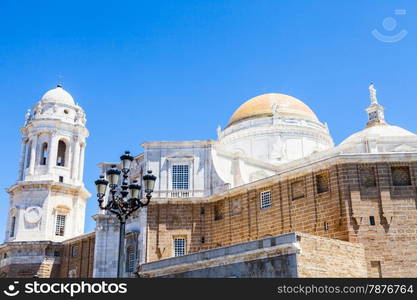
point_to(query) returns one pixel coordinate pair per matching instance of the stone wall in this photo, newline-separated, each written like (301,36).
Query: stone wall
(30,259)
(238,217)
(270,257)
(287,255)
(322,257)
(78,257)
(384,218)
(361,206)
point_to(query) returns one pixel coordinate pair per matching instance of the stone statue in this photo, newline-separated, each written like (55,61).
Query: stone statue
(27,116)
(219,131)
(39,108)
(274,109)
(372,94)
(80,117)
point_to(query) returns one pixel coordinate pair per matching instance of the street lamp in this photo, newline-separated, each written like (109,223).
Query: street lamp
(125,199)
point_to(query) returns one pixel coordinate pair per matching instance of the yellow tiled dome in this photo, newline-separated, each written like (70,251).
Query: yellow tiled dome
(263,106)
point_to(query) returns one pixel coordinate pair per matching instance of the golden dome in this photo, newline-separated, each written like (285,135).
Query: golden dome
(263,106)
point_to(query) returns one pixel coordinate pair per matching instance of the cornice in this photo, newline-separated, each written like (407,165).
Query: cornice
(81,190)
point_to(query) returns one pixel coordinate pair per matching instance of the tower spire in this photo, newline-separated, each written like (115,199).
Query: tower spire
(375,110)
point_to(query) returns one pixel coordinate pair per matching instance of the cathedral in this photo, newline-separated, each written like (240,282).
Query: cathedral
(273,196)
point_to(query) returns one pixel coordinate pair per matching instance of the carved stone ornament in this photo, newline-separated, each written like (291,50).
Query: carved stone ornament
(33,214)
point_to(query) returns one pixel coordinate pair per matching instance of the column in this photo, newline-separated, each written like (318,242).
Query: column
(22,159)
(52,151)
(81,165)
(75,157)
(33,154)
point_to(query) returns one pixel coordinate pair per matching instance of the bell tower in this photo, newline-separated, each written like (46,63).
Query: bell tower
(47,203)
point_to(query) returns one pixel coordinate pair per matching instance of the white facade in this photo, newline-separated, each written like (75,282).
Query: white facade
(47,203)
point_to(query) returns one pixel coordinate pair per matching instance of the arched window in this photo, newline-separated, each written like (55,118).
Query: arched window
(28,150)
(44,154)
(130,259)
(13,226)
(62,149)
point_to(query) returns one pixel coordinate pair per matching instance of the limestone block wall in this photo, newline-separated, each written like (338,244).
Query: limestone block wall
(383,217)
(77,259)
(376,209)
(29,259)
(287,255)
(239,217)
(323,257)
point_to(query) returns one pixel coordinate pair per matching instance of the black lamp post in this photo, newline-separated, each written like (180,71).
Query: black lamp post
(123,200)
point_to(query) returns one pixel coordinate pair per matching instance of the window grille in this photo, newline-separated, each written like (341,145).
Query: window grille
(180,177)
(130,259)
(60,225)
(266,200)
(179,246)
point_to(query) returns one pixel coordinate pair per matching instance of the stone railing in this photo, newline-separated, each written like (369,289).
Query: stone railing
(179,193)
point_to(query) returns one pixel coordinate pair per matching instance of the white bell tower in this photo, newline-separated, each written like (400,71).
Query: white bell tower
(48,201)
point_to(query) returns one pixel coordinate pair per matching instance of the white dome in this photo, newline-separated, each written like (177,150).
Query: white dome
(383,130)
(58,95)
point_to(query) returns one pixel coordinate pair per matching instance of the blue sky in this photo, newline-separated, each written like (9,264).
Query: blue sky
(174,70)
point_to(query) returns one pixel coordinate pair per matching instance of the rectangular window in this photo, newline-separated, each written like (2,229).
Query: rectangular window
(401,176)
(376,269)
(60,225)
(61,179)
(218,211)
(74,251)
(322,183)
(367,176)
(297,190)
(179,246)
(13,226)
(266,199)
(130,259)
(180,177)
(372,220)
